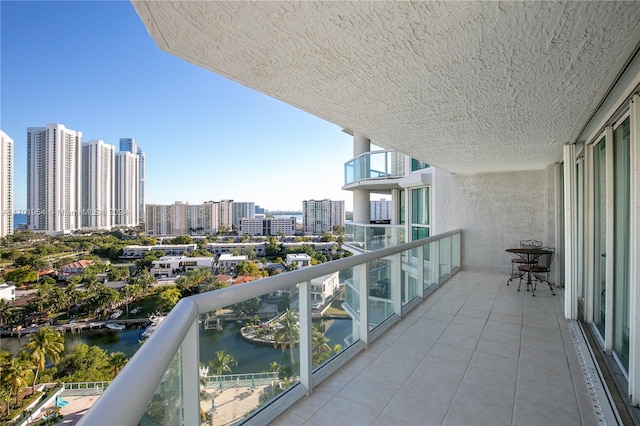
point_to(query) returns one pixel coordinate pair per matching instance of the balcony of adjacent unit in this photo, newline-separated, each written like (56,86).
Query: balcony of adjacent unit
(377,170)
(425,342)
(364,237)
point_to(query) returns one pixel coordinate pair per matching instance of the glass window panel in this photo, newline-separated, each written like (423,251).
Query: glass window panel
(621,195)
(420,206)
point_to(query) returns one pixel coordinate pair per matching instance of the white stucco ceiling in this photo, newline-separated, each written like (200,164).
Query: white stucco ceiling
(466,86)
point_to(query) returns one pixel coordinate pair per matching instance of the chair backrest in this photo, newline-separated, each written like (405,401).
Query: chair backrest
(546,258)
(530,244)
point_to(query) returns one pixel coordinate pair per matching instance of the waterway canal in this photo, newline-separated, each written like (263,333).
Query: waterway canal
(251,358)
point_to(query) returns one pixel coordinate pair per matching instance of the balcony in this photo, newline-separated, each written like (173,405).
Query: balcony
(436,346)
(374,169)
(369,237)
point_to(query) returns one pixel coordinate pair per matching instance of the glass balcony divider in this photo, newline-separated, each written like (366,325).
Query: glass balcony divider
(161,384)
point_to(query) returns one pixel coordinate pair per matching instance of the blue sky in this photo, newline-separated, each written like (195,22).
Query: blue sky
(93,67)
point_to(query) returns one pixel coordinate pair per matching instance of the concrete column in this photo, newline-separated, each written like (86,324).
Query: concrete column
(361,206)
(361,144)
(361,197)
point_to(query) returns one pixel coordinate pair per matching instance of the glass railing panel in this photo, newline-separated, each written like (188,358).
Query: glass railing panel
(455,252)
(380,291)
(369,237)
(167,405)
(249,354)
(429,271)
(410,285)
(374,165)
(445,257)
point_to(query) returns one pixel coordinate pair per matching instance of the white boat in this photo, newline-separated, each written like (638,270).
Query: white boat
(114,326)
(116,314)
(156,320)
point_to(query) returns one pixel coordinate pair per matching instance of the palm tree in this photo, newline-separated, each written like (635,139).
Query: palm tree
(117,360)
(222,362)
(288,333)
(319,346)
(15,374)
(47,342)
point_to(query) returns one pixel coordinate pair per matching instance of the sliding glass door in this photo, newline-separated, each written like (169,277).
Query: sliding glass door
(621,195)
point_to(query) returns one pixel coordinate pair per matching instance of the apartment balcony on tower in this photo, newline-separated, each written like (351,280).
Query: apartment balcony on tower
(528,116)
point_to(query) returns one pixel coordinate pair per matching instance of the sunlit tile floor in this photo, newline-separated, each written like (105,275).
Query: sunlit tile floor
(476,352)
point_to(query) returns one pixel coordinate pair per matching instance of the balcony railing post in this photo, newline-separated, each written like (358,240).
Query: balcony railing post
(420,271)
(435,262)
(396,283)
(191,377)
(363,279)
(306,360)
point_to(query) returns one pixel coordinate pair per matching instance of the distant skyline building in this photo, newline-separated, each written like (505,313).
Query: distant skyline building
(320,216)
(242,210)
(129,144)
(6,184)
(267,226)
(53,178)
(225,215)
(381,210)
(126,189)
(98,164)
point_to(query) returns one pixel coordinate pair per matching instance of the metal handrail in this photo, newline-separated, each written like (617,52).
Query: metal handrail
(127,397)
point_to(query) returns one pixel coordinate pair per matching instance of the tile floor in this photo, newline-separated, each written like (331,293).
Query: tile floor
(476,352)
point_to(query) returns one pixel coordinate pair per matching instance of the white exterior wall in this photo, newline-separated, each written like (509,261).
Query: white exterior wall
(322,288)
(98,164)
(53,178)
(6,184)
(495,211)
(8,292)
(126,189)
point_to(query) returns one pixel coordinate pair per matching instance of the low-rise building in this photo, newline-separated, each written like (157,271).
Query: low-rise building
(324,288)
(302,260)
(228,261)
(222,248)
(136,252)
(170,266)
(8,292)
(74,269)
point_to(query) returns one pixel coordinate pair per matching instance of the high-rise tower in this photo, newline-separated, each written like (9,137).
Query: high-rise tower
(6,184)
(98,162)
(126,189)
(53,178)
(130,145)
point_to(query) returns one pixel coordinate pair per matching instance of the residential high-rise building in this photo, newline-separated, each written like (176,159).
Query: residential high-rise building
(53,178)
(242,210)
(126,189)
(158,219)
(381,210)
(320,216)
(6,184)
(225,215)
(98,162)
(210,217)
(142,176)
(129,144)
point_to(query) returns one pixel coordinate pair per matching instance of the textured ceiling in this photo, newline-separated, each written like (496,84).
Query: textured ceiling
(466,86)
